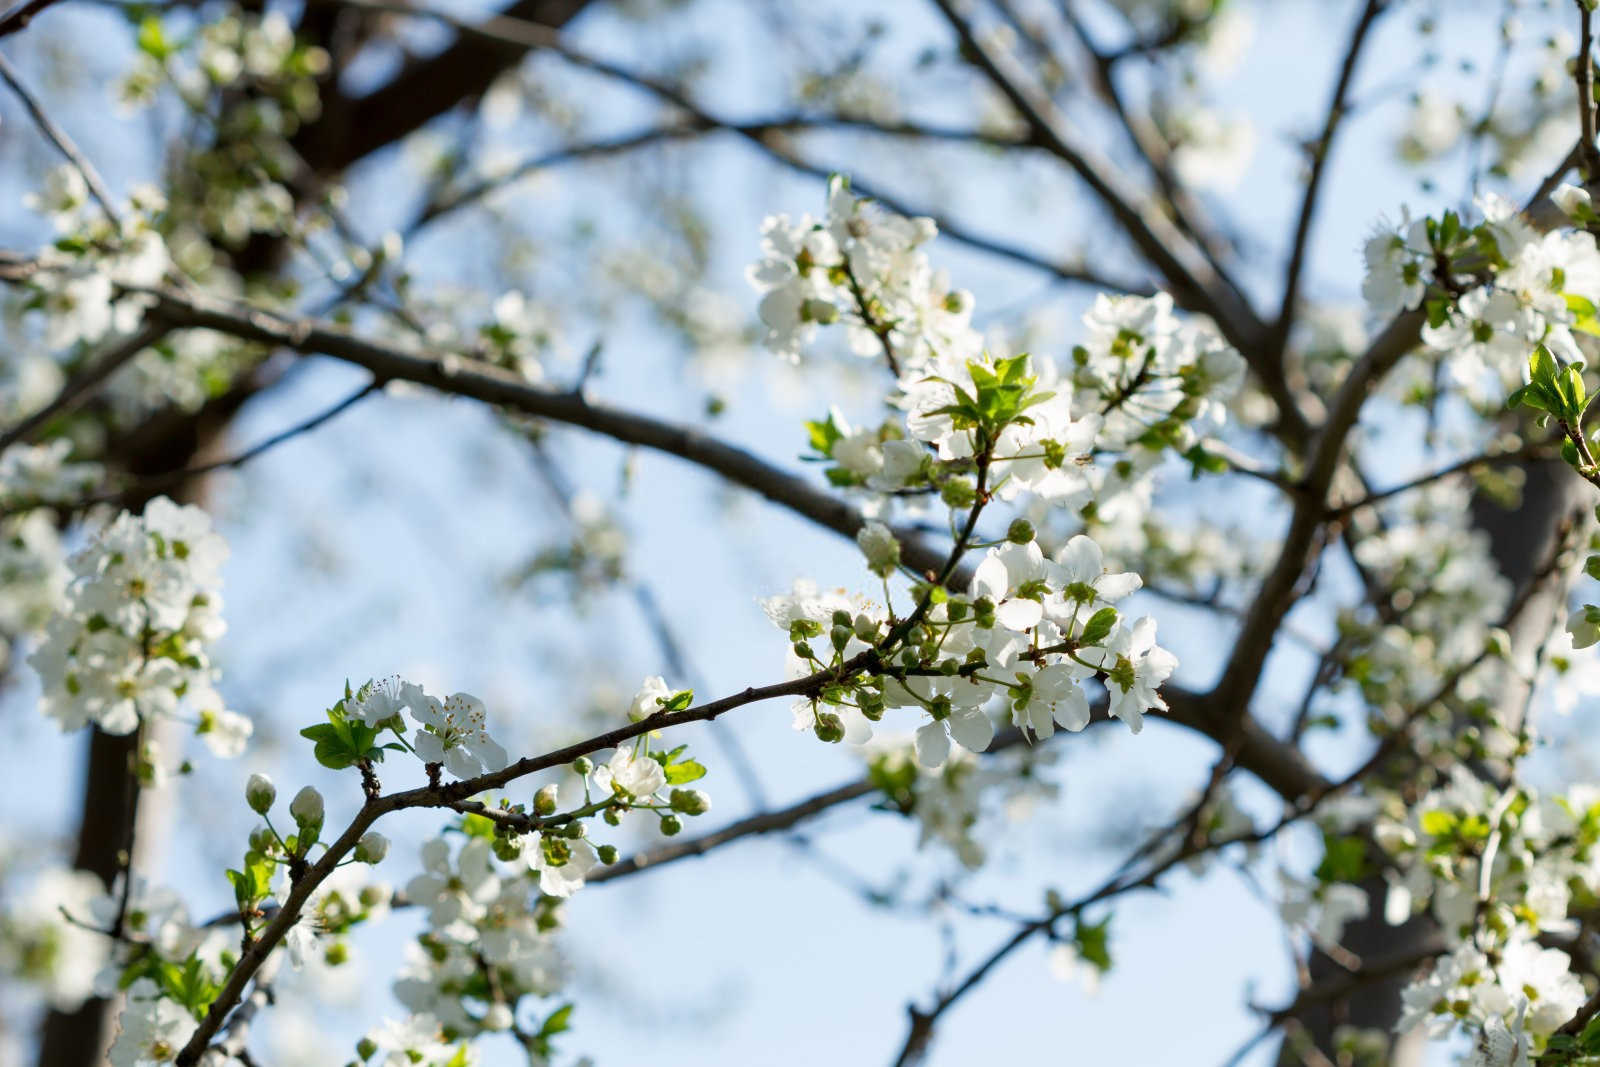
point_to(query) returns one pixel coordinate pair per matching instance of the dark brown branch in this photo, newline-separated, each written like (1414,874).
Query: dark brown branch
(1193,281)
(424,89)
(1321,151)
(16,20)
(528,36)
(1588,153)
(763,823)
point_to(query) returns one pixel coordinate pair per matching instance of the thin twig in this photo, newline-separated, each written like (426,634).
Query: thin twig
(16,20)
(82,385)
(58,137)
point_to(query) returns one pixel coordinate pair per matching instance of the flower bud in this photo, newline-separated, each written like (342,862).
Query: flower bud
(822,312)
(259,793)
(582,765)
(670,825)
(366,1047)
(497,1018)
(506,849)
(958,493)
(612,816)
(608,854)
(544,801)
(878,544)
(336,953)
(372,847)
(690,801)
(1573,201)
(829,727)
(306,807)
(1020,532)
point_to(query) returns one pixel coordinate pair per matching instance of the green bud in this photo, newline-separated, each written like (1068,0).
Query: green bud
(958,493)
(612,817)
(607,853)
(871,703)
(671,825)
(544,801)
(336,953)
(366,1047)
(259,793)
(582,765)
(689,801)
(840,636)
(822,312)
(506,849)
(372,847)
(307,811)
(829,727)
(1020,532)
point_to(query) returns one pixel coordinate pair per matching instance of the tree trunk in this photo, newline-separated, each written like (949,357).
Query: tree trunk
(1522,541)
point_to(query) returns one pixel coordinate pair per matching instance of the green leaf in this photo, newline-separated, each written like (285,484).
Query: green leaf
(1099,626)
(1542,367)
(824,435)
(152,41)
(1203,462)
(1438,823)
(1344,859)
(1093,942)
(687,771)
(1438,310)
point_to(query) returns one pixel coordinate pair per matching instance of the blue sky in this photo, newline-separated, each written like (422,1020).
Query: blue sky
(381,544)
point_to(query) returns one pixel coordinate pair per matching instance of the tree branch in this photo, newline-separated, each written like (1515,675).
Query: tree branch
(1321,152)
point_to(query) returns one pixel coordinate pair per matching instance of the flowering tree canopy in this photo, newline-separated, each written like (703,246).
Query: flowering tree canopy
(1296,534)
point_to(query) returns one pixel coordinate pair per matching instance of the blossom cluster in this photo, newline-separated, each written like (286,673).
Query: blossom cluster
(1029,633)
(953,804)
(488,942)
(1492,291)
(132,642)
(1030,630)
(33,571)
(1497,869)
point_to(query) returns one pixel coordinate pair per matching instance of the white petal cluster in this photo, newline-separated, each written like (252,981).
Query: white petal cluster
(153,1028)
(132,641)
(419,1041)
(1498,981)
(861,266)
(453,732)
(957,805)
(1399,267)
(478,916)
(1018,637)
(40,945)
(42,474)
